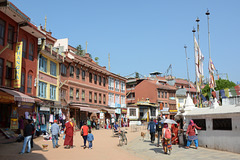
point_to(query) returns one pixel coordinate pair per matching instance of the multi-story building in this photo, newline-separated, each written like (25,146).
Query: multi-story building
(117,95)
(18,64)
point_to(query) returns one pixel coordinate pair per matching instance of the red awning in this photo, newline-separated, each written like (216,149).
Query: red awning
(18,96)
(6,98)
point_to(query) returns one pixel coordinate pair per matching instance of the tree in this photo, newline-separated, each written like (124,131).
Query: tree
(80,51)
(96,59)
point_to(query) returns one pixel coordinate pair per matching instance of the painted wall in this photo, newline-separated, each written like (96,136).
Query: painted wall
(219,139)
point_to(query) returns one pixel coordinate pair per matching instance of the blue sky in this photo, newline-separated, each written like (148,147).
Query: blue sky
(145,35)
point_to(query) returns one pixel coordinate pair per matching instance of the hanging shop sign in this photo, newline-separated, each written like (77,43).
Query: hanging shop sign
(18,65)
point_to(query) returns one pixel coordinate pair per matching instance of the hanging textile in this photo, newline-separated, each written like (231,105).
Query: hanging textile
(203,98)
(237,89)
(26,115)
(233,91)
(43,119)
(217,95)
(222,92)
(51,118)
(226,92)
(214,94)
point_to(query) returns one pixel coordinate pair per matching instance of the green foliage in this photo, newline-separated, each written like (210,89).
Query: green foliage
(96,59)
(80,51)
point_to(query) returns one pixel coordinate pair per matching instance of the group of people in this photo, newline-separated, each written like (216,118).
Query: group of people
(85,133)
(169,135)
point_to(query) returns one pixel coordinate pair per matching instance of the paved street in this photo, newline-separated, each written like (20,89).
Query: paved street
(105,147)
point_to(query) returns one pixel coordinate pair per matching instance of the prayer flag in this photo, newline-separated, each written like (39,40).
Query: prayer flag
(226,92)
(203,98)
(217,95)
(237,89)
(222,92)
(233,91)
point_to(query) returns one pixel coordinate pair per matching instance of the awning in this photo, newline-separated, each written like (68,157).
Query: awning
(88,109)
(6,98)
(111,111)
(18,96)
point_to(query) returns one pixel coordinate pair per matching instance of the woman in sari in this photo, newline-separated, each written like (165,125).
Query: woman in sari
(166,139)
(191,134)
(69,129)
(174,128)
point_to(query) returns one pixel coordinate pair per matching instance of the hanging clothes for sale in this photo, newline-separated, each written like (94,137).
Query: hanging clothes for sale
(51,118)
(43,119)
(26,115)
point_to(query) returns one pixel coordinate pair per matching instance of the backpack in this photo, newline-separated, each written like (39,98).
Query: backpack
(167,133)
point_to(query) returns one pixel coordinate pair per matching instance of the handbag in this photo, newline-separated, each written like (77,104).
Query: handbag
(196,132)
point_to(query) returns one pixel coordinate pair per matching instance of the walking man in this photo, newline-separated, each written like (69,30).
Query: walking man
(27,137)
(55,133)
(159,128)
(152,129)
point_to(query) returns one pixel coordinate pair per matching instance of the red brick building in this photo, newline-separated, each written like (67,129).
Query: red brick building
(15,27)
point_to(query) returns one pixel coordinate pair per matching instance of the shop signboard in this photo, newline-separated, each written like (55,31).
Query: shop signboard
(18,65)
(101,115)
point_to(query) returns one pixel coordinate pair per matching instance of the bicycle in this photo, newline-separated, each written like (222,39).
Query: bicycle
(122,137)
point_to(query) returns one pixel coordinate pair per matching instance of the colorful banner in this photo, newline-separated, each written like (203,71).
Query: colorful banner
(237,89)
(226,92)
(18,65)
(203,98)
(222,92)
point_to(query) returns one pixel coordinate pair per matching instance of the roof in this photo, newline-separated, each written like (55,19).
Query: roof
(161,86)
(219,110)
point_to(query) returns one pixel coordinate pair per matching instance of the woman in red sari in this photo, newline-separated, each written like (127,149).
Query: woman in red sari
(69,129)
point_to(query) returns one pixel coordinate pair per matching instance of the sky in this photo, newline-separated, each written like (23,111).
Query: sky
(145,35)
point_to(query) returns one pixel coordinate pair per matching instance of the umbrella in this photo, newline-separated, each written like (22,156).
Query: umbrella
(168,121)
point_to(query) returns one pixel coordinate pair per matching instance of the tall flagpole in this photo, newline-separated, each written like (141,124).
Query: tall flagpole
(187,69)
(195,57)
(200,78)
(208,13)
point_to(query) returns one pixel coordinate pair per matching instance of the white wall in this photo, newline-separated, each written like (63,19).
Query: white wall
(219,139)
(62,42)
(132,117)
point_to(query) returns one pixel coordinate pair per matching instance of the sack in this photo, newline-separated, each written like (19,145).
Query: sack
(167,134)
(196,132)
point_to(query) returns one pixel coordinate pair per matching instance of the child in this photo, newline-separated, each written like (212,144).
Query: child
(90,138)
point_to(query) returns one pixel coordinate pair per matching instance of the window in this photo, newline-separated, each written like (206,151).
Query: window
(123,100)
(110,83)
(2,32)
(104,99)
(42,87)
(200,123)
(104,81)
(165,94)
(132,112)
(43,64)
(162,94)
(63,70)
(116,85)
(10,36)
(53,68)
(90,77)
(9,73)
(77,94)
(31,51)
(24,48)
(117,100)
(53,92)
(95,79)
(1,67)
(100,98)
(95,97)
(100,80)
(22,89)
(90,96)
(71,71)
(110,99)
(158,94)
(63,94)
(71,93)
(122,87)
(222,124)
(83,95)
(77,73)
(83,75)
(29,84)
(166,105)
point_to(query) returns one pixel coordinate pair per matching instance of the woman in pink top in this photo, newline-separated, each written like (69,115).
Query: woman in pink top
(84,129)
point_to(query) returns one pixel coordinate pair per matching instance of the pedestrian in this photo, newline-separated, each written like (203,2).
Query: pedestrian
(112,122)
(69,130)
(166,138)
(152,129)
(27,137)
(192,134)
(174,129)
(55,132)
(90,139)
(89,123)
(159,127)
(84,134)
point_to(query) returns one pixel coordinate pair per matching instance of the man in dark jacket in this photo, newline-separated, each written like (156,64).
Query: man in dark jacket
(152,129)
(27,137)
(159,127)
